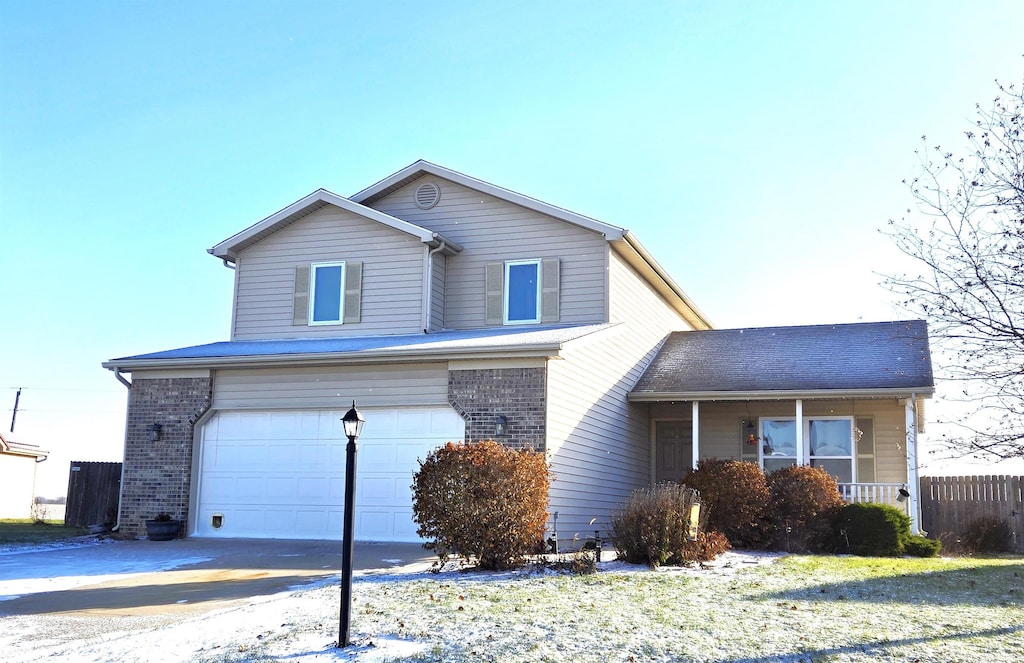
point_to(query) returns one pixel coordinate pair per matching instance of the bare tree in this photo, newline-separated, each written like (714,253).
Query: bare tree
(967,235)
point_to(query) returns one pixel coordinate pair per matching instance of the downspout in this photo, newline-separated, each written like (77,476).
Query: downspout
(428,283)
(124,453)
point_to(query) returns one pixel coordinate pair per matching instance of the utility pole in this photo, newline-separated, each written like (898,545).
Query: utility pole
(17,397)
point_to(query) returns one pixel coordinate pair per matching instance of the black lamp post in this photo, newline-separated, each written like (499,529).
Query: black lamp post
(353,423)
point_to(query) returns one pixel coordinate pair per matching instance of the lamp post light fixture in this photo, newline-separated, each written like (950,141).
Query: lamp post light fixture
(353,423)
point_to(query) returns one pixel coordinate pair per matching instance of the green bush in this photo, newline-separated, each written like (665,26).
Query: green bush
(922,546)
(735,496)
(804,502)
(651,528)
(986,534)
(482,501)
(876,530)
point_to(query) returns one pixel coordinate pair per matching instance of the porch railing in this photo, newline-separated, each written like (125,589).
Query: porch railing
(877,493)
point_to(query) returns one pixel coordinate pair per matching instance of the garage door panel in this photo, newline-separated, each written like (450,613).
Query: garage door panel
(268,482)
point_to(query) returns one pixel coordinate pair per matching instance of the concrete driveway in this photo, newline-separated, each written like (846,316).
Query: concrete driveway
(150,578)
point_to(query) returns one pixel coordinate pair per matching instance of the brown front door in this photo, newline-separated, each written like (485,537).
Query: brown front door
(673,446)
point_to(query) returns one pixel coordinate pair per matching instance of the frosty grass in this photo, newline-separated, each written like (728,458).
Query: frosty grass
(746,607)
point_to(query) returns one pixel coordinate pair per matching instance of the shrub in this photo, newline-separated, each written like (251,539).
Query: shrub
(482,501)
(922,546)
(651,528)
(735,496)
(986,534)
(804,502)
(876,530)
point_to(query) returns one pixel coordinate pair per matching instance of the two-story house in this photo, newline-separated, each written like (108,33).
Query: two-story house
(451,309)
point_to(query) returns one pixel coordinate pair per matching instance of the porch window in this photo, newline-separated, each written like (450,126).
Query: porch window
(828,444)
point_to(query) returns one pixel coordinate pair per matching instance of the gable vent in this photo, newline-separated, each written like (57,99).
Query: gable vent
(427,195)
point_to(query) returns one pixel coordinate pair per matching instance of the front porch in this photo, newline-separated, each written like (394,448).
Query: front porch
(846,398)
(868,444)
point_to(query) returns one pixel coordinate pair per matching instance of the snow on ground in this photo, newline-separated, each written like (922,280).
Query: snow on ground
(744,606)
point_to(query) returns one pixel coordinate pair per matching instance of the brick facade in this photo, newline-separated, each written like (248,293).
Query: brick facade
(518,394)
(157,475)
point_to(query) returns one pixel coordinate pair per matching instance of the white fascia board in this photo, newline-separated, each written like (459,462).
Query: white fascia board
(609,231)
(227,248)
(820,394)
(545,351)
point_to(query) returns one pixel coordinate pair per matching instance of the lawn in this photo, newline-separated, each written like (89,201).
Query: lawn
(799,608)
(27,532)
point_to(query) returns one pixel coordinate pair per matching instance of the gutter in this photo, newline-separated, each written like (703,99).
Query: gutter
(788,394)
(695,314)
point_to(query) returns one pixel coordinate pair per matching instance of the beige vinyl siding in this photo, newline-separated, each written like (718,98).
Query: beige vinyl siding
(331,387)
(599,443)
(392,278)
(721,435)
(492,230)
(438,276)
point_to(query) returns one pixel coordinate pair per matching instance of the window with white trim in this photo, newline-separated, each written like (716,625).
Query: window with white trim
(828,443)
(327,293)
(522,292)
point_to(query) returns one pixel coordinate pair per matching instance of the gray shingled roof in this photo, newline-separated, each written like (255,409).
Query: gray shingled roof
(493,339)
(874,356)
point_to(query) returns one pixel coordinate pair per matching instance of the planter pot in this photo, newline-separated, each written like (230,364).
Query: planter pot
(161,530)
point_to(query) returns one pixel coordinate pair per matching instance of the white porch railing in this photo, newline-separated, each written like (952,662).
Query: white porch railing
(877,493)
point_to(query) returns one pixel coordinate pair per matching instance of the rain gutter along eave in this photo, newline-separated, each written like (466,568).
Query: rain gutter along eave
(546,350)
(661,397)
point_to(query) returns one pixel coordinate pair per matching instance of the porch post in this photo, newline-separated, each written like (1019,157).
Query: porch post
(913,482)
(696,435)
(799,432)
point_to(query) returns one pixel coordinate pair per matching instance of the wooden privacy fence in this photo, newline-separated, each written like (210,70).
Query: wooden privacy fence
(950,504)
(93,490)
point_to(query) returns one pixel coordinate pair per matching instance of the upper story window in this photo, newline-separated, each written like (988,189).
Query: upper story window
(520,292)
(327,293)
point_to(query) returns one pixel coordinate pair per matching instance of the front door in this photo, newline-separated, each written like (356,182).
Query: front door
(673,448)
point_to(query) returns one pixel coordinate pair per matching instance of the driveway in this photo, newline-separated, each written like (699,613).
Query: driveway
(151,579)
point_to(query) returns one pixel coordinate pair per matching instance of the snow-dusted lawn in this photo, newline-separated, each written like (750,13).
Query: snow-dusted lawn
(746,607)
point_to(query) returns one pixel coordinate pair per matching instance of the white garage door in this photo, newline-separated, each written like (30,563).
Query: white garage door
(282,474)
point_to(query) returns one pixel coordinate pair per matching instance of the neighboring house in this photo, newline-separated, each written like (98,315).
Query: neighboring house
(18,477)
(450,309)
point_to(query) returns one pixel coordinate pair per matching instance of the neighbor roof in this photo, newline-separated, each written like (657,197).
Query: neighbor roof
(21,449)
(874,358)
(490,342)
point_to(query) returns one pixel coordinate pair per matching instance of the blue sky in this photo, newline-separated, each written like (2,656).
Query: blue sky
(756,148)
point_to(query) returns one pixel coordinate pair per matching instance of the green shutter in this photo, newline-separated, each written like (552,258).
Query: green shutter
(494,293)
(549,277)
(300,301)
(353,291)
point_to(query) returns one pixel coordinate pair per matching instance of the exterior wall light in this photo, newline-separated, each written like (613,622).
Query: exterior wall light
(500,424)
(154,432)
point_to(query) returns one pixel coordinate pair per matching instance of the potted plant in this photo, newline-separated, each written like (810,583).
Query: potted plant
(162,528)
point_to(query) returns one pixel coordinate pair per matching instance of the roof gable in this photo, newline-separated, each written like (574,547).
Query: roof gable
(420,168)
(861,358)
(230,247)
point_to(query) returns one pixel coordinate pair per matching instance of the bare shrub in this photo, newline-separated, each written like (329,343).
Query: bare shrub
(735,496)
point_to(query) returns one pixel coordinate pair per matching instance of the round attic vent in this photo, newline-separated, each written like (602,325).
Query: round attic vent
(427,195)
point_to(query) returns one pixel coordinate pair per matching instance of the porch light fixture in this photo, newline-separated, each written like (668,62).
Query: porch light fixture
(154,432)
(902,495)
(353,424)
(500,422)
